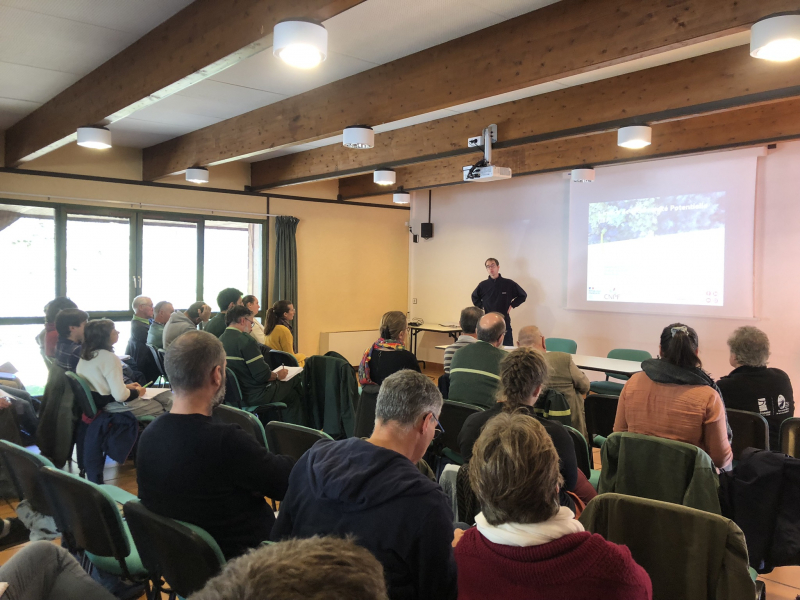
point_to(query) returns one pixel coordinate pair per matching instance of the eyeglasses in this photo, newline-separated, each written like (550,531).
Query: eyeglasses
(439,429)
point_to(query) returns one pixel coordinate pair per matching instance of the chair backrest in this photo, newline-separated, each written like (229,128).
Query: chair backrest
(185,555)
(85,511)
(292,440)
(279,357)
(581,451)
(627,354)
(561,345)
(452,419)
(157,359)
(24,467)
(601,410)
(83,394)
(790,437)
(666,540)
(444,385)
(365,413)
(233,393)
(247,421)
(750,430)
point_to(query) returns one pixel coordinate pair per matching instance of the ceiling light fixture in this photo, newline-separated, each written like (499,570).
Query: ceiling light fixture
(583,175)
(197,175)
(634,137)
(97,138)
(358,136)
(776,38)
(384,177)
(401,196)
(301,44)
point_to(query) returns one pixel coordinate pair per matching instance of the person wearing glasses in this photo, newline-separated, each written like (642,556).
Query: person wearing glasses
(258,383)
(372,490)
(497,294)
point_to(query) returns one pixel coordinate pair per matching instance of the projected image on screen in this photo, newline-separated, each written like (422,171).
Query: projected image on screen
(668,250)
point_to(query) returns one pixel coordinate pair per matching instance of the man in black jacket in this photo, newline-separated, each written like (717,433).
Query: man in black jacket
(500,295)
(371,489)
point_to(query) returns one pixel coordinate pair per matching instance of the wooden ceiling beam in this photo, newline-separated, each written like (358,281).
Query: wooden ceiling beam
(748,126)
(565,38)
(199,41)
(719,81)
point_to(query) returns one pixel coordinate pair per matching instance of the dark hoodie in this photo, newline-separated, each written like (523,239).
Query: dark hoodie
(352,487)
(662,371)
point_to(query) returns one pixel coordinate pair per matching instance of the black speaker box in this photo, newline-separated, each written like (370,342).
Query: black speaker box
(427,231)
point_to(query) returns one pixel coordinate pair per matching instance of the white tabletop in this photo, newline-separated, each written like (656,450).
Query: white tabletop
(435,327)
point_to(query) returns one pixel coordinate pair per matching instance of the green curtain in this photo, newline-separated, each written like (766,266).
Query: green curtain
(285,285)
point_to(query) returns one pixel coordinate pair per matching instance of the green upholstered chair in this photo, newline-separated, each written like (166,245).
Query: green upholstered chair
(292,440)
(452,419)
(613,388)
(584,455)
(235,398)
(561,345)
(246,420)
(790,437)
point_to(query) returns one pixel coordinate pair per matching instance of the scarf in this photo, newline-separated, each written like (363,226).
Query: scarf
(363,367)
(285,323)
(530,534)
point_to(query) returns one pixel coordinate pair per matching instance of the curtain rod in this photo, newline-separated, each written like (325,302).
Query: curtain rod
(141,204)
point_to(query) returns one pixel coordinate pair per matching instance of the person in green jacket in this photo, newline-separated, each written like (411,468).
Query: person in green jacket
(475,368)
(226,299)
(258,383)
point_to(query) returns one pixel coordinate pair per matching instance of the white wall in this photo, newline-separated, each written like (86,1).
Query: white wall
(524,223)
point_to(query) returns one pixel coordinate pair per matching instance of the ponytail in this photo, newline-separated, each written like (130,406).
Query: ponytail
(275,314)
(679,344)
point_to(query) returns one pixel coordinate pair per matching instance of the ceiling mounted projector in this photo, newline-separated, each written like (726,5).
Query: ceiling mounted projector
(197,175)
(582,175)
(301,44)
(384,177)
(634,137)
(776,38)
(401,197)
(484,170)
(97,138)
(359,137)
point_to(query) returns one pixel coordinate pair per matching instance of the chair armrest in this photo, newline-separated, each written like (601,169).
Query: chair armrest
(119,495)
(146,419)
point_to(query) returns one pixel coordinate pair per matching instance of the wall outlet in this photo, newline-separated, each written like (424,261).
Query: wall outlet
(413,301)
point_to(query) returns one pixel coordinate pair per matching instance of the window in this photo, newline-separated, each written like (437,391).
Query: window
(232,258)
(169,262)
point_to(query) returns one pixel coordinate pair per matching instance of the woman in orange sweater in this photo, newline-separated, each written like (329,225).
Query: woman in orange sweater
(674,398)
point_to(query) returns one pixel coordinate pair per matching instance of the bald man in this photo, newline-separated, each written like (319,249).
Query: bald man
(565,377)
(475,368)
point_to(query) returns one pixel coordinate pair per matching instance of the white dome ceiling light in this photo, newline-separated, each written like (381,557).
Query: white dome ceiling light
(634,137)
(401,197)
(97,138)
(197,175)
(776,38)
(385,177)
(358,136)
(301,44)
(583,175)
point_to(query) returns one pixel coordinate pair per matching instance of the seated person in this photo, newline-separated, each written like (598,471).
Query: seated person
(371,489)
(142,318)
(278,330)
(70,323)
(102,369)
(141,358)
(523,374)
(210,474)
(388,355)
(754,387)
(51,310)
(226,299)
(524,545)
(318,568)
(673,398)
(161,312)
(565,376)
(258,383)
(181,322)
(475,368)
(468,322)
(251,302)
(26,419)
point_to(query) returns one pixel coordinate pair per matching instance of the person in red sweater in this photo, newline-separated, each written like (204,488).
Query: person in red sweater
(524,545)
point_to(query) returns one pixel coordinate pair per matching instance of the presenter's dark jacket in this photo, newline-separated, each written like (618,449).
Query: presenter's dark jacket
(761,390)
(496,295)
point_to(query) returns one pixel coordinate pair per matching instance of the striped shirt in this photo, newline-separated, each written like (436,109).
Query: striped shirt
(475,373)
(462,341)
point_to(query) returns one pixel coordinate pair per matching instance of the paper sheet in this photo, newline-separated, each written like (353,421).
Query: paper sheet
(292,372)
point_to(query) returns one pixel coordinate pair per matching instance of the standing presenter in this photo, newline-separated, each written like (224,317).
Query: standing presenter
(498,294)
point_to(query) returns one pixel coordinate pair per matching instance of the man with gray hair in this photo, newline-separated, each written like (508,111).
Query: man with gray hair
(754,387)
(468,323)
(140,357)
(211,474)
(162,312)
(181,322)
(371,489)
(475,368)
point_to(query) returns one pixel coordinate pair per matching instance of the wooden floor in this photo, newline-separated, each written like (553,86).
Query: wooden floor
(782,584)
